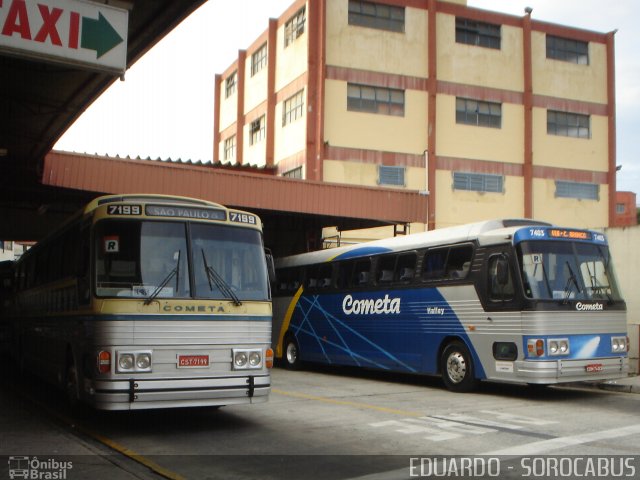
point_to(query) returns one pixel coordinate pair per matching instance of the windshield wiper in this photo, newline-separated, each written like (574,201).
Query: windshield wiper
(223,286)
(176,272)
(572,279)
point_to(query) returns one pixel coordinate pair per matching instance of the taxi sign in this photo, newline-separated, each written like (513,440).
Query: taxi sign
(72,32)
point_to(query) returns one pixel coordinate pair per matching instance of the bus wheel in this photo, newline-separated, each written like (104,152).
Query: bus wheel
(457,368)
(291,353)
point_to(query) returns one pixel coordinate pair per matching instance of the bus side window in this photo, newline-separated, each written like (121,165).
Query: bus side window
(385,268)
(405,268)
(433,266)
(361,273)
(459,261)
(500,279)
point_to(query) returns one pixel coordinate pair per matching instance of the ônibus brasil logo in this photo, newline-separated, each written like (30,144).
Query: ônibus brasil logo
(370,306)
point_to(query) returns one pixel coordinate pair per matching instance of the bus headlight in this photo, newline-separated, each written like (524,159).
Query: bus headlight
(618,344)
(558,346)
(125,361)
(128,362)
(247,359)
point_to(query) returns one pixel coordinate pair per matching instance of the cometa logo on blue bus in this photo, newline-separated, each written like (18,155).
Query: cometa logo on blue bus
(589,306)
(370,306)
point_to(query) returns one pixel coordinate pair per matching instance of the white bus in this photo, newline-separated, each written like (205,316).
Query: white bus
(505,300)
(147,301)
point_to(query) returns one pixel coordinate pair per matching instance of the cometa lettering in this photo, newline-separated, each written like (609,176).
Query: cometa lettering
(589,306)
(370,306)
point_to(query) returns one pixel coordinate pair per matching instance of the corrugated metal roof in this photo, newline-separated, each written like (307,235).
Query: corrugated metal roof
(232,187)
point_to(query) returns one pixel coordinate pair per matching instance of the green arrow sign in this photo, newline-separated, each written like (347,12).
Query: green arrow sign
(99,35)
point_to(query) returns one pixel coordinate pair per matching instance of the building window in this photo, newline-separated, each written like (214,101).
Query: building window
(568,124)
(294,28)
(481,114)
(477,33)
(230,148)
(259,60)
(230,85)
(585,191)
(376,15)
(567,50)
(620,209)
(257,131)
(293,108)
(294,173)
(391,176)
(478,182)
(386,101)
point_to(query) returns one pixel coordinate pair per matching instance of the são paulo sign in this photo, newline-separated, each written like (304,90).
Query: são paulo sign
(76,32)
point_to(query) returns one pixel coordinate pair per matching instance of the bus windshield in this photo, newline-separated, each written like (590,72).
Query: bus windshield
(567,271)
(154,259)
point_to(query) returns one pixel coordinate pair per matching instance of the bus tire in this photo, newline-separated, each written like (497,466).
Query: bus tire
(457,368)
(291,353)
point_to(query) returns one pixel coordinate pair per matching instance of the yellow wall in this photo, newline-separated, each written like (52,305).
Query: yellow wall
(377,50)
(569,152)
(568,211)
(228,107)
(480,143)
(255,88)
(254,154)
(291,138)
(372,131)
(292,61)
(473,65)
(555,78)
(457,207)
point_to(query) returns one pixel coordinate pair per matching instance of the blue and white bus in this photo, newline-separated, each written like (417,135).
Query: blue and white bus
(505,300)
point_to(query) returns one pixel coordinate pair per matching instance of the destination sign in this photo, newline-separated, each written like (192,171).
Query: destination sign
(185,212)
(571,234)
(556,233)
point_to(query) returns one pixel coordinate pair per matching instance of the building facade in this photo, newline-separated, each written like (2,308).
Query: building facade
(488,115)
(626,209)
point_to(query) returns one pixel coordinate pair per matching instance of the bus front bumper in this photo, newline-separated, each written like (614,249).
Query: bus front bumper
(561,371)
(140,393)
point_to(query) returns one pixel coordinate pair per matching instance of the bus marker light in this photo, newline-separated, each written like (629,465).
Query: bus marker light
(104,361)
(268,358)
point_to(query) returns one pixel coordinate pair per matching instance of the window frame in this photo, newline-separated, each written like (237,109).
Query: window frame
(257,130)
(478,182)
(295,26)
(478,113)
(577,190)
(567,50)
(568,124)
(371,99)
(380,16)
(479,34)
(293,108)
(230,147)
(231,84)
(259,60)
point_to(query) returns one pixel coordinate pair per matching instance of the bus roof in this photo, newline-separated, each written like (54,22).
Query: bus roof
(486,233)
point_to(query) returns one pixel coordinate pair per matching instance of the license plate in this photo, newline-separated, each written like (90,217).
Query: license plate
(193,361)
(594,367)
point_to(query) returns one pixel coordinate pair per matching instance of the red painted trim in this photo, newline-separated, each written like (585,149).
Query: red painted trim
(271,96)
(255,113)
(573,106)
(289,163)
(479,166)
(230,69)
(478,14)
(228,132)
(240,117)
(569,32)
(361,155)
(570,175)
(432,87)
(259,42)
(480,93)
(217,85)
(612,151)
(528,100)
(378,79)
(314,16)
(293,87)
(322,75)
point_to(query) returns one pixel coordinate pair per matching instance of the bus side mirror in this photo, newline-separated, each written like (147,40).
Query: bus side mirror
(502,270)
(271,267)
